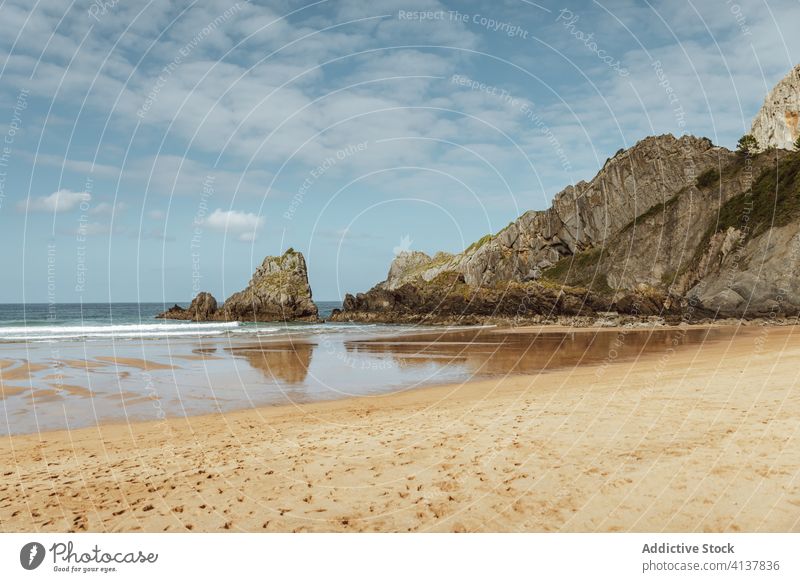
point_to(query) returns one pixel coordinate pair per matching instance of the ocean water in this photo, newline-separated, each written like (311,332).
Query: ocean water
(42,322)
(70,366)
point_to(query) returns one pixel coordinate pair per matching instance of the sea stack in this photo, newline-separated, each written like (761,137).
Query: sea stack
(278,291)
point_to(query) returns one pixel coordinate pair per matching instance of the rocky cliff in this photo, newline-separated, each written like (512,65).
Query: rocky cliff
(671,228)
(776,124)
(581,217)
(644,238)
(518,272)
(278,291)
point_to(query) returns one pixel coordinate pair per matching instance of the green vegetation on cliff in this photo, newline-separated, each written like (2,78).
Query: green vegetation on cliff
(773,201)
(653,211)
(708,178)
(581,271)
(479,243)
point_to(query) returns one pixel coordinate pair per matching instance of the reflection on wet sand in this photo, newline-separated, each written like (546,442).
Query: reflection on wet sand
(79,364)
(150,380)
(9,391)
(139,363)
(17,372)
(22,372)
(279,362)
(492,352)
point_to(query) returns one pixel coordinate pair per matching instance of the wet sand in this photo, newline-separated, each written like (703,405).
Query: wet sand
(698,437)
(45,386)
(140,364)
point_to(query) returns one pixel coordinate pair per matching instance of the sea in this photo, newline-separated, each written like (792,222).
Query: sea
(67,366)
(56,322)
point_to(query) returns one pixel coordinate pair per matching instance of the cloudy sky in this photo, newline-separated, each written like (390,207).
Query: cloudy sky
(151,150)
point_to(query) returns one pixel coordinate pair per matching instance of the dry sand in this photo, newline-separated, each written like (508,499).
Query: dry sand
(704,438)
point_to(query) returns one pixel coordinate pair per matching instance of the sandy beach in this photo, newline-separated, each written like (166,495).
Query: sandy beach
(699,438)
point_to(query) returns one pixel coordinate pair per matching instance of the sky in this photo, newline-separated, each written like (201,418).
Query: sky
(151,150)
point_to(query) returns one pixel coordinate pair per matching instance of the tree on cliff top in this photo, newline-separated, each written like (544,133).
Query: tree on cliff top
(747,144)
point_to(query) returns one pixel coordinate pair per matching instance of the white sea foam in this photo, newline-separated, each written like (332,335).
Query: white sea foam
(125,331)
(92,330)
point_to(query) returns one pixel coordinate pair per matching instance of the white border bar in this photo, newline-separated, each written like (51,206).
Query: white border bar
(409,557)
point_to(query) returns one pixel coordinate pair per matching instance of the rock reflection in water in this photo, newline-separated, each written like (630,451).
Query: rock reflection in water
(495,352)
(198,377)
(279,362)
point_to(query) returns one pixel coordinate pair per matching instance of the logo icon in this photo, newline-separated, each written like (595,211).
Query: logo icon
(31,555)
(404,246)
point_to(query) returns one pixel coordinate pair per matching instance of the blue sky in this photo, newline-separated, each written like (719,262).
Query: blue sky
(152,150)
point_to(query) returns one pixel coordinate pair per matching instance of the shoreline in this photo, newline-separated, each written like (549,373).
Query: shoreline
(590,448)
(435,333)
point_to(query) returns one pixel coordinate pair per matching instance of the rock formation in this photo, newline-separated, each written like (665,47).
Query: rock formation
(278,291)
(583,216)
(671,228)
(517,273)
(448,299)
(202,308)
(642,238)
(776,124)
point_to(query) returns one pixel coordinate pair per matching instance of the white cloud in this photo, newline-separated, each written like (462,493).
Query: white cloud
(107,208)
(77,166)
(60,201)
(156,215)
(94,229)
(171,175)
(228,103)
(154,233)
(340,234)
(238,106)
(242,225)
